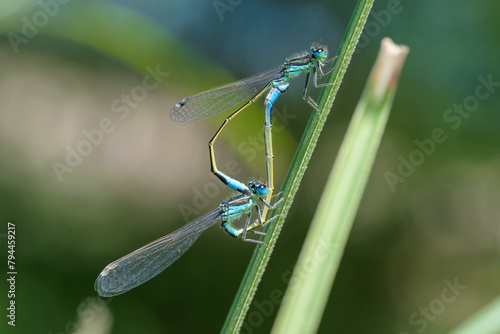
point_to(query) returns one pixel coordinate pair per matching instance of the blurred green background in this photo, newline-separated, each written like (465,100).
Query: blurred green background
(429,218)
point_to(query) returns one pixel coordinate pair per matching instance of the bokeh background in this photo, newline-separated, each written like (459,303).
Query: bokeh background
(70,67)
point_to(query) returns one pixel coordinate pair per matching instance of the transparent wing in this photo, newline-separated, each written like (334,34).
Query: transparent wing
(214,101)
(148,261)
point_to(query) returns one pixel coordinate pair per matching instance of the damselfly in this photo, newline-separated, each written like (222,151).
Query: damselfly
(148,261)
(214,101)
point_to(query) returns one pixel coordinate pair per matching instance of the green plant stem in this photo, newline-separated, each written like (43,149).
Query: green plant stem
(304,301)
(256,268)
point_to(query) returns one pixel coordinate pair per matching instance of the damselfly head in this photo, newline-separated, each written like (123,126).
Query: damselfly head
(258,188)
(319,51)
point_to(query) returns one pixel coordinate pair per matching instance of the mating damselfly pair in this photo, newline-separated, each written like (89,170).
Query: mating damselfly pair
(143,264)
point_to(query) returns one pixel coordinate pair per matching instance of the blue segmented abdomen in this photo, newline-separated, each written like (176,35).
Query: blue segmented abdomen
(231,230)
(232,183)
(271,97)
